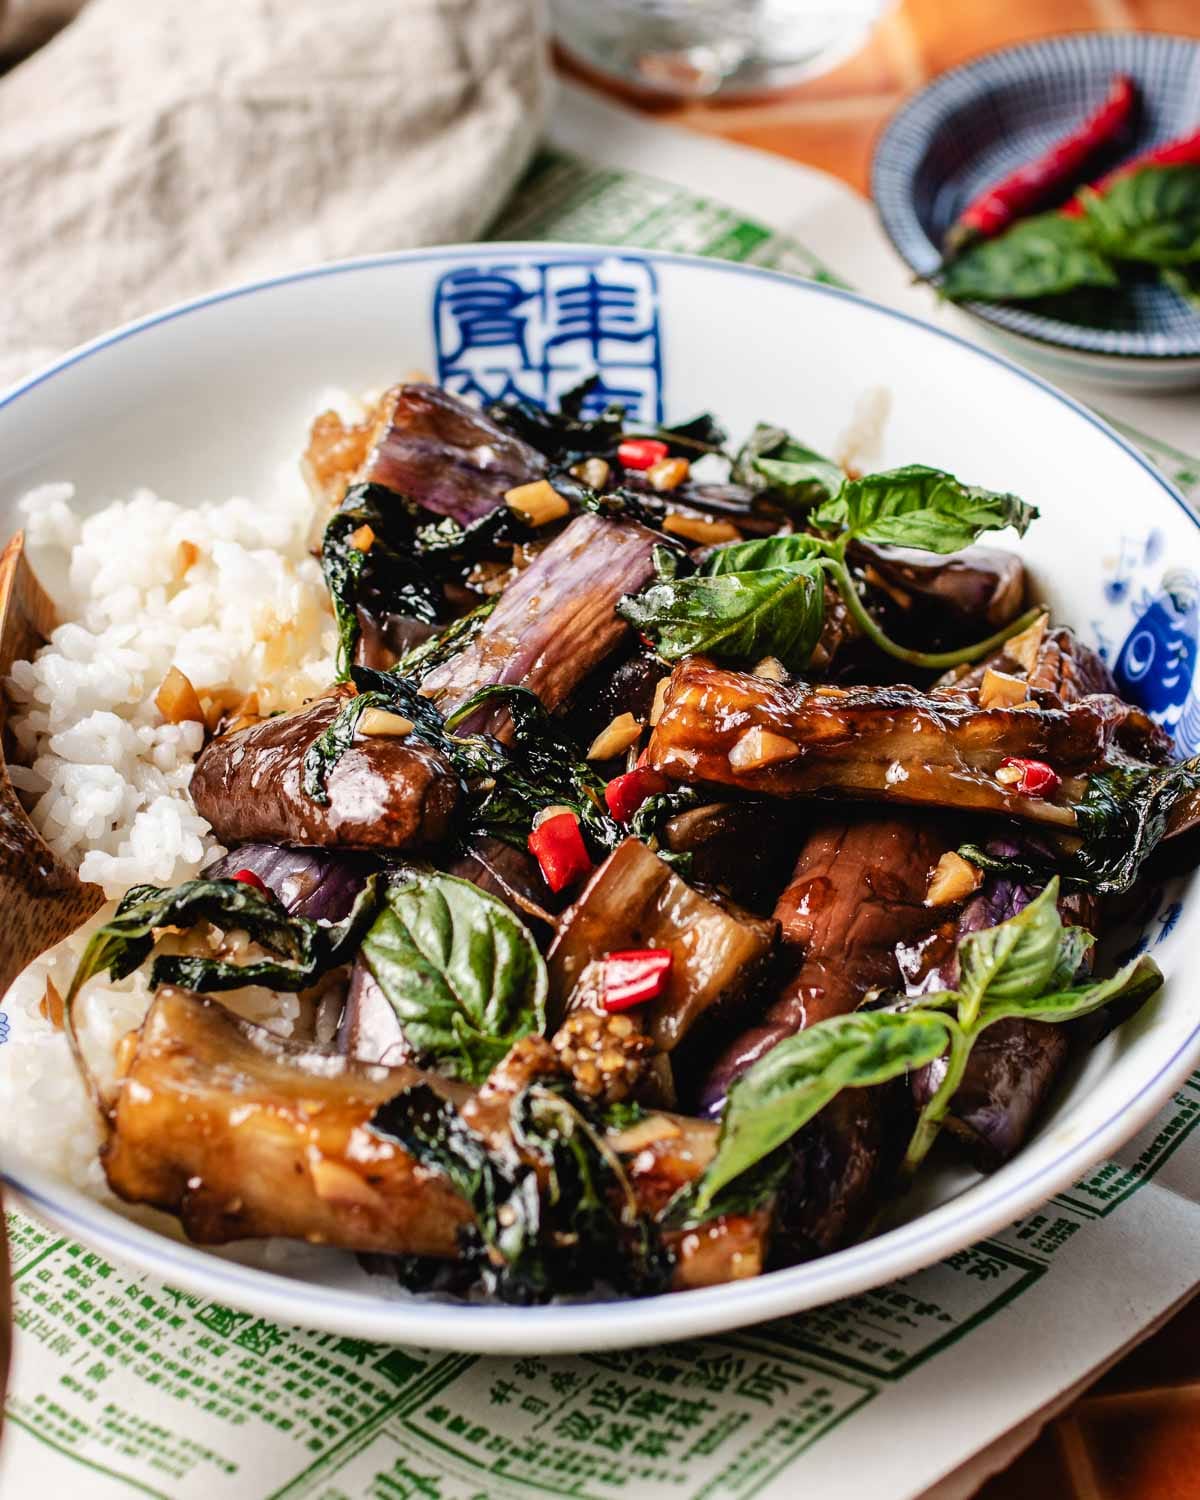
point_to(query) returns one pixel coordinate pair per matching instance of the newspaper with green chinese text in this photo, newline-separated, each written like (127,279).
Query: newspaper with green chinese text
(125,1386)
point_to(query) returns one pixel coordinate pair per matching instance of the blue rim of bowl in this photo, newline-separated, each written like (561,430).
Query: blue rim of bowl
(907,132)
(741,1303)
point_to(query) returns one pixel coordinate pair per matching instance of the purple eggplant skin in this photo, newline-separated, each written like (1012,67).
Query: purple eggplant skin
(370,1029)
(555,623)
(842,1163)
(448,457)
(1014,1064)
(513,876)
(316,883)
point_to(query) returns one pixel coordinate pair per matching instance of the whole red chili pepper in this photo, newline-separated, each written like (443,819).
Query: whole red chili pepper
(1182,152)
(1041,180)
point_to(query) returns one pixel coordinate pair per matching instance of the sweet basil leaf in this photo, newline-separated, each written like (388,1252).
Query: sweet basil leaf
(921,507)
(463,975)
(1137,981)
(541,768)
(305,949)
(1038,257)
(1018,957)
(763,552)
(1184,280)
(785,1088)
(771,459)
(502,1191)
(1151,215)
(754,1189)
(734,617)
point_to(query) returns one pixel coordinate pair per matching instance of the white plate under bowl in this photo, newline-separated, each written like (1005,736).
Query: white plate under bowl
(206,399)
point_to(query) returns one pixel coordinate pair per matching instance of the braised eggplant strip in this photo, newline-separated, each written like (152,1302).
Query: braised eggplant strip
(240,1134)
(555,623)
(679,852)
(896,744)
(388,790)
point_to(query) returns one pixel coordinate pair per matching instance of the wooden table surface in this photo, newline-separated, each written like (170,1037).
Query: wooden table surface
(1136,1434)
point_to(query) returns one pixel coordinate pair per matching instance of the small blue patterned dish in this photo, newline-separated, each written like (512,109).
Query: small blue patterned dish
(975,124)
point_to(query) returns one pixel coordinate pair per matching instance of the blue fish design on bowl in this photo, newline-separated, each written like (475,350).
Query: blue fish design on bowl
(1156,664)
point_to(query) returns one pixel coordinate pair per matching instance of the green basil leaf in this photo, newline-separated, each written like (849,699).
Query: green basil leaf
(1151,215)
(770,459)
(1184,280)
(1016,958)
(791,1083)
(1038,257)
(1137,981)
(307,949)
(762,552)
(463,975)
(734,617)
(921,507)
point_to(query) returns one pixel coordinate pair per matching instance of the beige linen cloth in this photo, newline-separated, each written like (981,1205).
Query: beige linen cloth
(156,149)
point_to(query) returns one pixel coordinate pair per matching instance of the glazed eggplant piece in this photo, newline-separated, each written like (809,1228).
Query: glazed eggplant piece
(438,452)
(948,597)
(1055,663)
(383,792)
(240,1134)
(737,847)
(554,624)
(858,890)
(893,744)
(634,900)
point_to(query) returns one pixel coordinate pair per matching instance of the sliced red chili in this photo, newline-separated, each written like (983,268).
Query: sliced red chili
(248,877)
(641,453)
(1040,181)
(625,794)
(635,975)
(1037,778)
(557,845)
(1182,152)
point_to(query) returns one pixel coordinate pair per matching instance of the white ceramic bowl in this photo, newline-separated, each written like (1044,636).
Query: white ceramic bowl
(207,398)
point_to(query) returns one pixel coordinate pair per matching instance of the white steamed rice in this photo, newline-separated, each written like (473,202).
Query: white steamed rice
(106,780)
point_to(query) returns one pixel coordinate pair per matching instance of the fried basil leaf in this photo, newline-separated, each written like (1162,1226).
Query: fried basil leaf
(388,690)
(304,949)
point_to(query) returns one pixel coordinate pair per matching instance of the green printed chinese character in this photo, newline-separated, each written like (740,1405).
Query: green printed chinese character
(261,1337)
(221,1319)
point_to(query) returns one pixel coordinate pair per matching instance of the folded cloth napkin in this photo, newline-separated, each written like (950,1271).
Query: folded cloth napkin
(152,151)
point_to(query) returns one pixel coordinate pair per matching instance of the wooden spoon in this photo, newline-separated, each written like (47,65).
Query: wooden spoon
(43,897)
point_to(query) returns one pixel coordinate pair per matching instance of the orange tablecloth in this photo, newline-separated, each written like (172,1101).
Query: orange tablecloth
(1136,1434)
